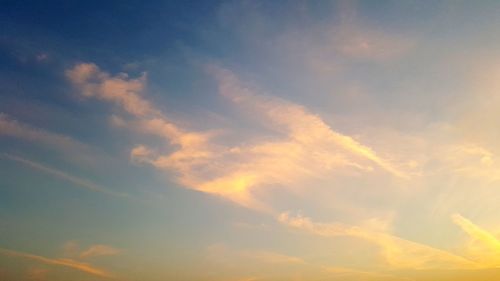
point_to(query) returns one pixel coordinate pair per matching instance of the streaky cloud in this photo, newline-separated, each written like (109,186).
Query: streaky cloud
(67,145)
(69,263)
(398,253)
(300,125)
(62,175)
(484,247)
(99,250)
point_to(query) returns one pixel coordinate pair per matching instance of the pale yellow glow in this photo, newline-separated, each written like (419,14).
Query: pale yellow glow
(484,247)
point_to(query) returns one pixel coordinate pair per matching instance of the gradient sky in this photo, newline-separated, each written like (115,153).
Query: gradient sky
(249,140)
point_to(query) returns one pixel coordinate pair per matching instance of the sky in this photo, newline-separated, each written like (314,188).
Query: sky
(249,140)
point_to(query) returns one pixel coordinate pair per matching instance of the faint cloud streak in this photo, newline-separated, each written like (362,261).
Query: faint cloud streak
(69,263)
(62,175)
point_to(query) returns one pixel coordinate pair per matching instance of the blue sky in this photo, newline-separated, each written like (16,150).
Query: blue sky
(249,140)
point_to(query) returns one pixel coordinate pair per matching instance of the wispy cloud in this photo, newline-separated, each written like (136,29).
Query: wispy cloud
(37,273)
(377,120)
(301,148)
(69,263)
(99,250)
(62,175)
(300,126)
(190,148)
(483,247)
(67,145)
(73,249)
(471,160)
(308,148)
(398,253)
(120,89)
(352,38)
(14,128)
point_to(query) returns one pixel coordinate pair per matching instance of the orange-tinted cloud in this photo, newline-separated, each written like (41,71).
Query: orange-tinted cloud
(307,148)
(120,89)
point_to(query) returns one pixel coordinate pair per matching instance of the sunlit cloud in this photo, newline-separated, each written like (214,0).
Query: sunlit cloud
(308,148)
(378,121)
(300,149)
(470,160)
(122,90)
(397,253)
(483,247)
(301,127)
(190,147)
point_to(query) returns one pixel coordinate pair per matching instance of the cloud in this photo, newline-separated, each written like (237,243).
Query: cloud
(364,43)
(69,263)
(300,126)
(72,249)
(42,57)
(307,148)
(398,253)
(484,247)
(471,160)
(99,250)
(13,128)
(293,149)
(189,148)
(120,89)
(62,175)
(331,50)
(37,273)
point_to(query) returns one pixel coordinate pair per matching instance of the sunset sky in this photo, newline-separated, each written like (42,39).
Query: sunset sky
(249,140)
